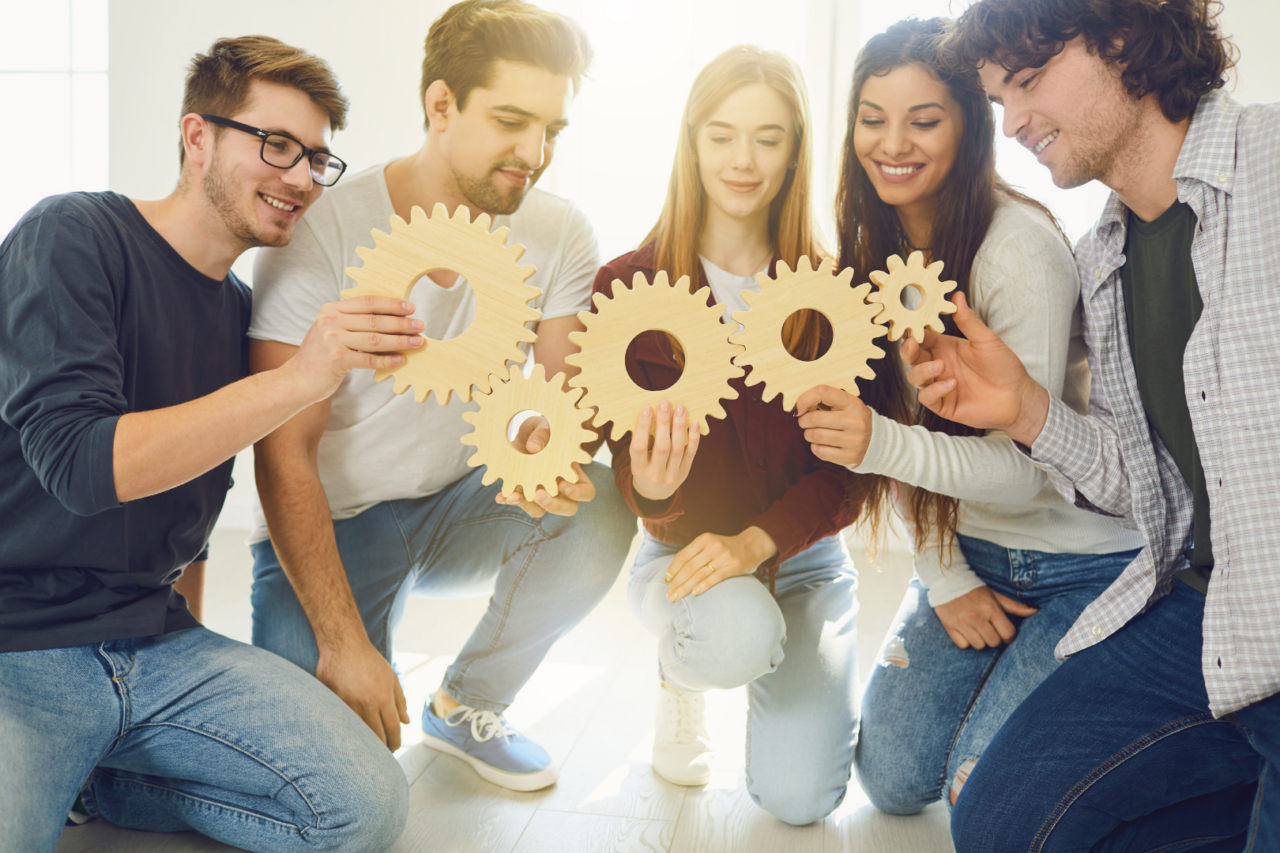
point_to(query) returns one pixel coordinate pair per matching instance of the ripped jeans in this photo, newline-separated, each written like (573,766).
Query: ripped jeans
(925,722)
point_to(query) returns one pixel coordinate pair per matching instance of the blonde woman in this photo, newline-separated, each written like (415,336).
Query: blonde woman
(741,560)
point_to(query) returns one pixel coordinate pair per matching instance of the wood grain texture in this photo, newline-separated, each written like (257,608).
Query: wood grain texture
(511,395)
(722,818)
(641,307)
(852,326)
(427,244)
(556,832)
(900,319)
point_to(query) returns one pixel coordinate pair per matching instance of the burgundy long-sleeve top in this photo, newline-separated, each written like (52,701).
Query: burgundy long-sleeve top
(754,468)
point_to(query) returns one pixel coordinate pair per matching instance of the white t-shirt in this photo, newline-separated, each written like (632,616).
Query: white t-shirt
(727,288)
(377,445)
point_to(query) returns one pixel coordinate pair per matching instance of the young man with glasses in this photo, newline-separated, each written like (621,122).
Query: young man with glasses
(1161,730)
(367,497)
(124,398)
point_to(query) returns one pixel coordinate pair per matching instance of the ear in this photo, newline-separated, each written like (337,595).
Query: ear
(197,139)
(438,100)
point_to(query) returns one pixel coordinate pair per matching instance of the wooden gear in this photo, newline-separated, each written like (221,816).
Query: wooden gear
(687,317)
(852,331)
(933,296)
(524,470)
(426,244)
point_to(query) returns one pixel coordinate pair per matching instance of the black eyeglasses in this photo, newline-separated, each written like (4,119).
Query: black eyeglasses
(284,152)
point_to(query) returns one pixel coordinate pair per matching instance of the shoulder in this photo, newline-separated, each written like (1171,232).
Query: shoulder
(99,212)
(1258,135)
(1018,228)
(624,267)
(545,220)
(1023,251)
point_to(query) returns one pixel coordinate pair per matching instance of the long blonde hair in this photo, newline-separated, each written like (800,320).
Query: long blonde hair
(675,235)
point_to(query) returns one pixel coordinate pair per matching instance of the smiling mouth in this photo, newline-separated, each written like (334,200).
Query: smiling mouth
(899,171)
(742,186)
(278,204)
(1044,143)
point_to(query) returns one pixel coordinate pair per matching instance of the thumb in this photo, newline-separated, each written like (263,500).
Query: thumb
(970,324)
(538,439)
(1017,608)
(832,398)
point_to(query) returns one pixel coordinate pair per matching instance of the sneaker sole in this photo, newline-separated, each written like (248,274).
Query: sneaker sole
(512,781)
(689,779)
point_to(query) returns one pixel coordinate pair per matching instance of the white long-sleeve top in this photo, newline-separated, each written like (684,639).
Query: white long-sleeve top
(1025,287)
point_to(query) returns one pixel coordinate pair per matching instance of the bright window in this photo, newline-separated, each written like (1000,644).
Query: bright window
(53,85)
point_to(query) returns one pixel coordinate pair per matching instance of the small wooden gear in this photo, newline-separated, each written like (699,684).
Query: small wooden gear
(852,331)
(900,319)
(528,471)
(686,316)
(426,244)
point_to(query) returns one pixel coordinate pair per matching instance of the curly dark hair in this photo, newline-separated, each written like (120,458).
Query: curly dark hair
(1170,47)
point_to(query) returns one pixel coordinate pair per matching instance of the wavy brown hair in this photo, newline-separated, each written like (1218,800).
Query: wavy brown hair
(679,227)
(1170,47)
(869,231)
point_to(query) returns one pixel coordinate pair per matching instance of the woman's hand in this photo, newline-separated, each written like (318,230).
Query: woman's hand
(711,558)
(660,462)
(841,431)
(978,618)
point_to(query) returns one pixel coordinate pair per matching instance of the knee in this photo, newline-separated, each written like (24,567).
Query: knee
(379,810)
(890,775)
(797,805)
(723,647)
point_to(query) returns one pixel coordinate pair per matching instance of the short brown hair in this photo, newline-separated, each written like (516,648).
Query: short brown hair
(218,81)
(463,44)
(1170,47)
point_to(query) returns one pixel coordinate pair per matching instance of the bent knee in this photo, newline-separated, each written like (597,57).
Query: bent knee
(378,811)
(724,653)
(892,779)
(798,805)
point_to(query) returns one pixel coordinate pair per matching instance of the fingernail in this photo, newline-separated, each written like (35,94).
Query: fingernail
(667,579)
(680,409)
(664,406)
(397,359)
(419,325)
(408,306)
(417,341)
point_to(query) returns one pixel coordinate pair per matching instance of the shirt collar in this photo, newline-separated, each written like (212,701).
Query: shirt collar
(1209,152)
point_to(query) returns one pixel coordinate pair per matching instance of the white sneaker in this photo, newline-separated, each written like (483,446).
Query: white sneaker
(681,745)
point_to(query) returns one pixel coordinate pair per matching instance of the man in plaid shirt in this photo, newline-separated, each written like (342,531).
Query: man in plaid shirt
(1161,731)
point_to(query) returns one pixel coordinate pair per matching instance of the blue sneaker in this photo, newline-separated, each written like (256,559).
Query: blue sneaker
(485,740)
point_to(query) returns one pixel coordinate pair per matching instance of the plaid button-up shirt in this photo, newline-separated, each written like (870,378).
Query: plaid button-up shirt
(1229,173)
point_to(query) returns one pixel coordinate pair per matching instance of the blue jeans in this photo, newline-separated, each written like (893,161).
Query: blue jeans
(545,574)
(927,721)
(803,716)
(189,730)
(1117,750)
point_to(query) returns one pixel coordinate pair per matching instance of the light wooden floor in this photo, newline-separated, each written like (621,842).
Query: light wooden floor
(591,704)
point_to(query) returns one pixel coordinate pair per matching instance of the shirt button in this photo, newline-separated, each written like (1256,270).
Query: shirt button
(1097,273)
(1223,177)
(1097,631)
(759,463)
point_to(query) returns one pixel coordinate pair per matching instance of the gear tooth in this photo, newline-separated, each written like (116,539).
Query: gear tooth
(439,211)
(482,223)
(500,236)
(517,252)
(462,214)
(879,277)
(862,291)
(845,277)
(935,268)
(638,280)
(894,263)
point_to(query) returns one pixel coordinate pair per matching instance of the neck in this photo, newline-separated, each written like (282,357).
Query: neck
(738,245)
(185,221)
(917,221)
(1142,175)
(423,179)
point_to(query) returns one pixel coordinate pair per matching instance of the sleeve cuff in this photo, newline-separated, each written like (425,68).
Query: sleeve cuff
(102,481)
(873,461)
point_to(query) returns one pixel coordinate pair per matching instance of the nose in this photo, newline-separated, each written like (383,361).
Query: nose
(896,142)
(743,155)
(299,175)
(1012,121)
(531,147)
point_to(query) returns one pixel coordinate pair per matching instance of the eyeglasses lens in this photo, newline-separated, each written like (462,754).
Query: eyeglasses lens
(283,152)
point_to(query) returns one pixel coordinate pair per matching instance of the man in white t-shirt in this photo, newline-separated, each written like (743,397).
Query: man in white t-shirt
(368,497)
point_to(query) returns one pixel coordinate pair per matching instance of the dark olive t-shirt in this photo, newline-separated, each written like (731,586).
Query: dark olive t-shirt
(1162,305)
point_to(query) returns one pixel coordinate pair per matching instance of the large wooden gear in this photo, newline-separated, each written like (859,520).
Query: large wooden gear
(522,470)
(852,331)
(686,316)
(900,319)
(426,244)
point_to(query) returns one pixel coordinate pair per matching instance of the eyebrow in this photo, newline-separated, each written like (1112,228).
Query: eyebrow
(523,113)
(732,127)
(914,109)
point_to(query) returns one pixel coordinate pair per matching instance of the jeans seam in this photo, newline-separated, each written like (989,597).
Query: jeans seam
(1257,812)
(301,830)
(387,629)
(246,753)
(973,702)
(1172,728)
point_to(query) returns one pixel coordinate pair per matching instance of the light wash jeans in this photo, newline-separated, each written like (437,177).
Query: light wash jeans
(803,717)
(189,730)
(545,574)
(927,721)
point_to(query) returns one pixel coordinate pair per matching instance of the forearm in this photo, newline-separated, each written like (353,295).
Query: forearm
(302,534)
(1085,452)
(158,450)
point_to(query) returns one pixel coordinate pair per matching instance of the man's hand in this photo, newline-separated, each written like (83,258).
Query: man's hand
(565,503)
(977,619)
(979,382)
(350,334)
(711,558)
(660,461)
(362,678)
(836,424)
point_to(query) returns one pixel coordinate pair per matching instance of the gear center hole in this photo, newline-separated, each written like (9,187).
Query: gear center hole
(661,378)
(523,425)
(911,296)
(448,309)
(798,335)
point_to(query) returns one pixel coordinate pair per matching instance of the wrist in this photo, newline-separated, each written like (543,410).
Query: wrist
(1033,411)
(760,545)
(651,492)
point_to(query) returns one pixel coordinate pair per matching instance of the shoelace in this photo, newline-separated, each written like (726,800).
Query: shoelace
(685,732)
(485,725)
